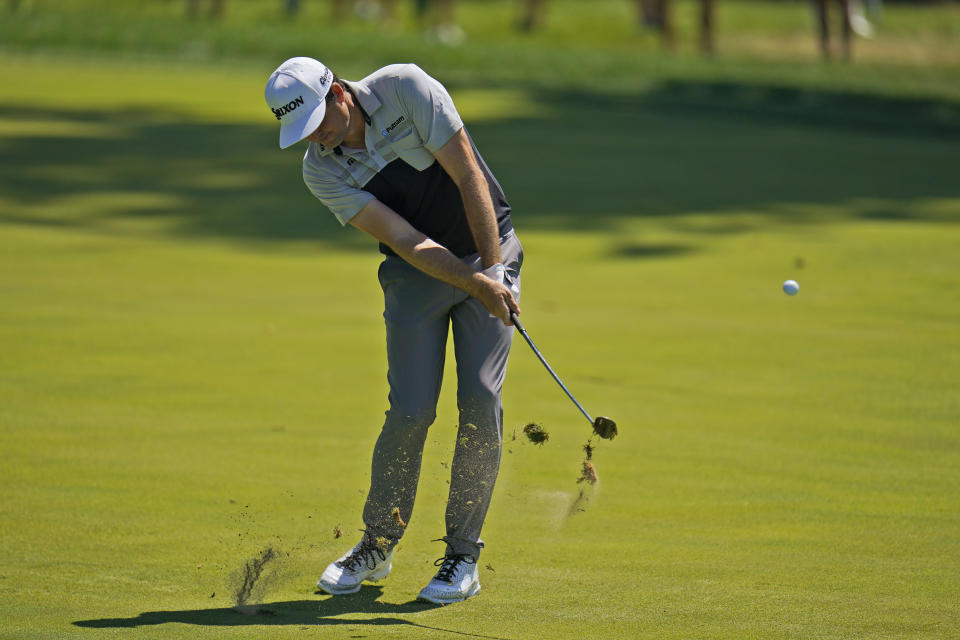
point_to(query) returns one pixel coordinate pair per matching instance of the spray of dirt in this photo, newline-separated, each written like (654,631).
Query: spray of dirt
(254,579)
(588,450)
(588,473)
(587,481)
(579,504)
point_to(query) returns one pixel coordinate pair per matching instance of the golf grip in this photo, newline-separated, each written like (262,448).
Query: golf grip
(516,322)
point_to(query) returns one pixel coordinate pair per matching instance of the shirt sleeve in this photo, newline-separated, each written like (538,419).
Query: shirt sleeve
(343,200)
(430,106)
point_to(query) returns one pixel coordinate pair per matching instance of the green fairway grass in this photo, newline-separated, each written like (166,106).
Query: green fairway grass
(192,365)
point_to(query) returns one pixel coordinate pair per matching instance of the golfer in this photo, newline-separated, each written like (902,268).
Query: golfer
(389,155)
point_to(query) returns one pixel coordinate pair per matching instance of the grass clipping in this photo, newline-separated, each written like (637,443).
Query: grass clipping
(535,433)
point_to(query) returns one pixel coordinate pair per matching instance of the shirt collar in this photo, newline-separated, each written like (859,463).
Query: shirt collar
(368,101)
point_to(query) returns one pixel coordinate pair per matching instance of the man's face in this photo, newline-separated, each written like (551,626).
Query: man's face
(336,121)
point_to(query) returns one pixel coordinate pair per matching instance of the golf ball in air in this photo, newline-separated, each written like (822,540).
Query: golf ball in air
(790,287)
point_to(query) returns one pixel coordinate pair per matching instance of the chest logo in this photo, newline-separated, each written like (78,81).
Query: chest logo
(396,123)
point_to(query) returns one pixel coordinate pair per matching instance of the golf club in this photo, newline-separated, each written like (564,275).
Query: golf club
(603,427)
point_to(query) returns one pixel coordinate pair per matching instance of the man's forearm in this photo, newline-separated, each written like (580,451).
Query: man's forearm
(437,261)
(481,217)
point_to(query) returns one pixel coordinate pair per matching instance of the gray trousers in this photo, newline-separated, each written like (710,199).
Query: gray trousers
(418,310)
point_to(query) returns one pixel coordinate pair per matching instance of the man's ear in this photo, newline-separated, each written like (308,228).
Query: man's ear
(337,91)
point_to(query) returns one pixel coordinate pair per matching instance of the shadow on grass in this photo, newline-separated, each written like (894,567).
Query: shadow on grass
(297,612)
(589,162)
(636,250)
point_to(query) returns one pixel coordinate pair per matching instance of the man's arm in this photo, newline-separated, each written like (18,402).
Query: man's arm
(457,159)
(387,226)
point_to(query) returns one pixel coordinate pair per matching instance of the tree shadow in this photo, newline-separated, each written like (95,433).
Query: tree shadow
(590,162)
(192,178)
(717,149)
(296,612)
(646,250)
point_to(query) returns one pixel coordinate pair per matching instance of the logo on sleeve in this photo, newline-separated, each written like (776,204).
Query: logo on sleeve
(396,123)
(287,108)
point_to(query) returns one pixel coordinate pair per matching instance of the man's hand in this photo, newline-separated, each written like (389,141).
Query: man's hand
(386,225)
(498,273)
(495,294)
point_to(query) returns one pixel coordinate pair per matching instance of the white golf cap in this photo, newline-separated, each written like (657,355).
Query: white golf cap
(296,94)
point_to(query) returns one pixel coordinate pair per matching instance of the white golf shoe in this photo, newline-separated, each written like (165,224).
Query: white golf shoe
(366,562)
(456,580)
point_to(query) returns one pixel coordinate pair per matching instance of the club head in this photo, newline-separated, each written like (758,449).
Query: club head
(605,427)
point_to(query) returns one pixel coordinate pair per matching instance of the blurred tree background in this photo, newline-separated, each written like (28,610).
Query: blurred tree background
(611,42)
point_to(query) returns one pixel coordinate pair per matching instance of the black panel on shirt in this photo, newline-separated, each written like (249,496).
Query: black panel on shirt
(430,201)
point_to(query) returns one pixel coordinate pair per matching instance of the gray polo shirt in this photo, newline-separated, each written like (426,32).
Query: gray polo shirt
(409,117)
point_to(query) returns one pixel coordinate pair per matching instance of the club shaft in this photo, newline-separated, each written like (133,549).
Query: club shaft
(526,337)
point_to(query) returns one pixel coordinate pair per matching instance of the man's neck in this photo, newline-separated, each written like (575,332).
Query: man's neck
(356,135)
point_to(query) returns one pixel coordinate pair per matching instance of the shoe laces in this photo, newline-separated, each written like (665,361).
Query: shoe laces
(368,553)
(449,565)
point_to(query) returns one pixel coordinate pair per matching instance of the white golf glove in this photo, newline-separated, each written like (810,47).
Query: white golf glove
(498,273)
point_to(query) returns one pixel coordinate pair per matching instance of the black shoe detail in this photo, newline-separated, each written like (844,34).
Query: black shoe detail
(449,565)
(368,553)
